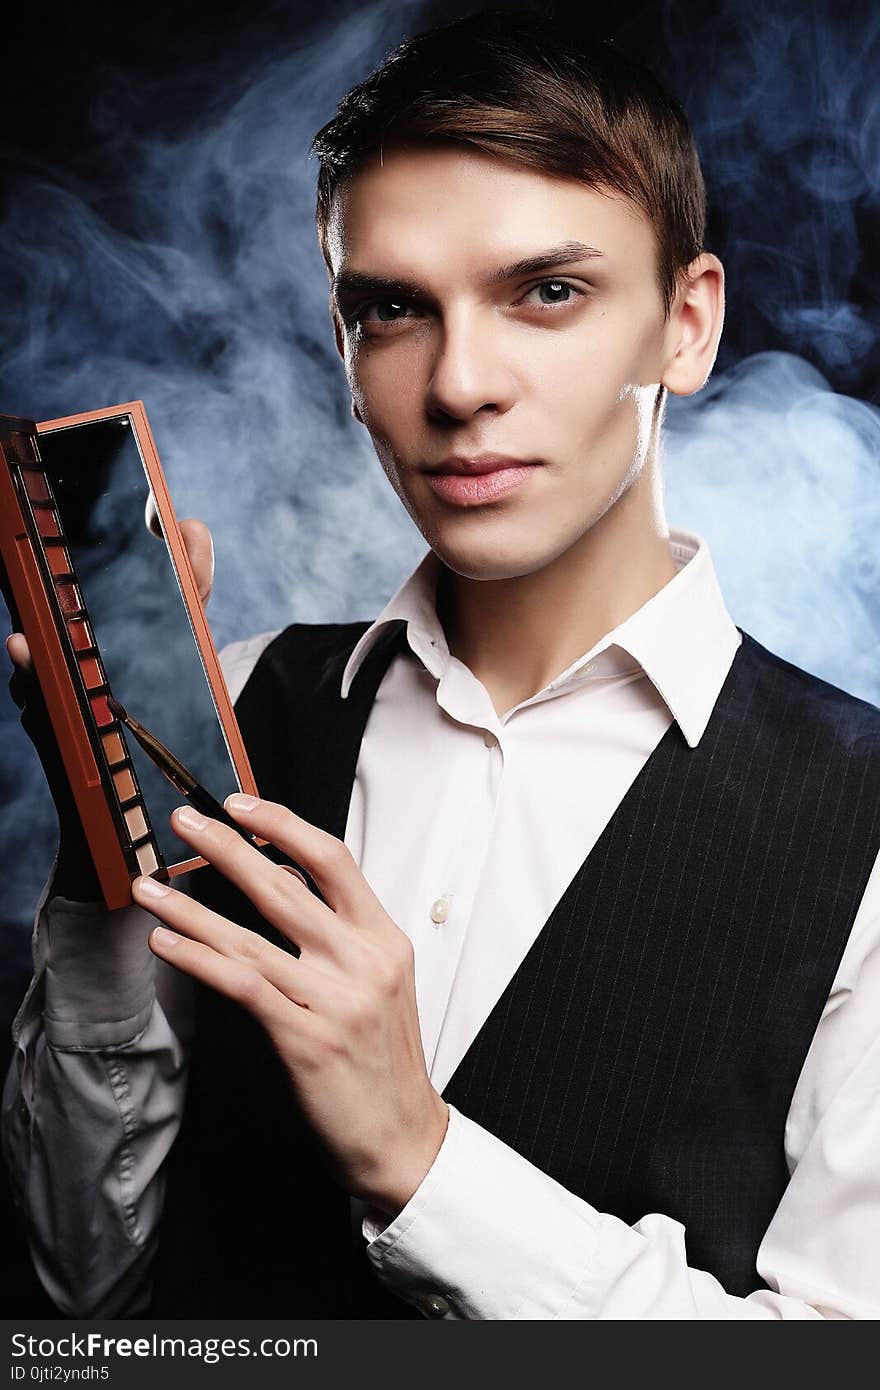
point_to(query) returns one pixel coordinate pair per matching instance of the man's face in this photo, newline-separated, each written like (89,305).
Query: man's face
(497,316)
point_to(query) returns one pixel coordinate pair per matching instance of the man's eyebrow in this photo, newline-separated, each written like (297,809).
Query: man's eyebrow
(349,283)
(564,254)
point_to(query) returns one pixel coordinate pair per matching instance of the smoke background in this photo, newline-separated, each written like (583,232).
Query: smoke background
(158,243)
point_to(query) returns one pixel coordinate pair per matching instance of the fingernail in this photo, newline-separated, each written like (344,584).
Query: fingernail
(151,888)
(164,938)
(191,819)
(240,801)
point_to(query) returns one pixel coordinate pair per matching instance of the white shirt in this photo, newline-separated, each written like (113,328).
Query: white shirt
(485,820)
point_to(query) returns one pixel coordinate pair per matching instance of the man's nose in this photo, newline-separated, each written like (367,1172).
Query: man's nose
(469,371)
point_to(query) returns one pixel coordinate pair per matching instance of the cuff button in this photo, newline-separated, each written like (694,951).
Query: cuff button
(435,1306)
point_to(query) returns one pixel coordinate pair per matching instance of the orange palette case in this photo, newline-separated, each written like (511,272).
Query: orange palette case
(110,609)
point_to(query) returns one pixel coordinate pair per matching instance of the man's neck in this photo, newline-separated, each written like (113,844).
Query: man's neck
(516,635)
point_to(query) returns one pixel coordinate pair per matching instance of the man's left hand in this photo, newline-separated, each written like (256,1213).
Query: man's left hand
(342,1016)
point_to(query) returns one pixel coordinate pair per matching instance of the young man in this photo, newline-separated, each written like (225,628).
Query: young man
(583,1017)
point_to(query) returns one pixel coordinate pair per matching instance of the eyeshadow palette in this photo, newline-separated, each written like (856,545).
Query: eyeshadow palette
(92,681)
(110,610)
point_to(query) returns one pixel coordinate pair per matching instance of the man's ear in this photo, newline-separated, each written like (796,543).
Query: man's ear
(694,327)
(340,348)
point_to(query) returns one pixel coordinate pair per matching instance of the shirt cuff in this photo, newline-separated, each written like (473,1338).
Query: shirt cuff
(99,974)
(486,1234)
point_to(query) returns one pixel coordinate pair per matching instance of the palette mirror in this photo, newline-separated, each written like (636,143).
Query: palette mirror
(129,624)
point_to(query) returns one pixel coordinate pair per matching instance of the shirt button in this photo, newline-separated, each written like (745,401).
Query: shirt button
(489,739)
(440,911)
(435,1305)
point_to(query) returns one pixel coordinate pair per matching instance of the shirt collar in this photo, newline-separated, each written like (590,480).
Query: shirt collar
(414,604)
(683,638)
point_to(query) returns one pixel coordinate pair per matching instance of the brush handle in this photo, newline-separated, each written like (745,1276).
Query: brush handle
(209,806)
(205,802)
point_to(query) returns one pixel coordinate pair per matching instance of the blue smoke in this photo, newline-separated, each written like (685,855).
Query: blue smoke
(787,120)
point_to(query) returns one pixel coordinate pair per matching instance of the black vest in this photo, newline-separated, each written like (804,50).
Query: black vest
(644,1054)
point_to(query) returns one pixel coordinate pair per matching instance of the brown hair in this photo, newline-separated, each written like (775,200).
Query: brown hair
(516,84)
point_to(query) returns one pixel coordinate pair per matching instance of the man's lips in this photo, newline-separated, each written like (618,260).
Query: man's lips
(478,465)
(470,482)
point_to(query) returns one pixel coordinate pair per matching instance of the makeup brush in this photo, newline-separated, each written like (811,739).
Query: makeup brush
(177,774)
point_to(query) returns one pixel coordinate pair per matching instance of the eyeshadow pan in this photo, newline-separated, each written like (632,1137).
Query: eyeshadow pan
(124,784)
(69,598)
(47,522)
(146,858)
(80,634)
(136,822)
(21,448)
(59,560)
(35,485)
(92,672)
(101,711)
(113,747)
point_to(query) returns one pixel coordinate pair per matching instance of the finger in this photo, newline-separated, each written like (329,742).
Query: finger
(19,651)
(18,681)
(326,858)
(248,951)
(151,517)
(288,1025)
(200,549)
(24,689)
(280,897)
(198,542)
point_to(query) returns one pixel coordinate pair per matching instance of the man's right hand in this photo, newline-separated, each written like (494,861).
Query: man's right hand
(75,875)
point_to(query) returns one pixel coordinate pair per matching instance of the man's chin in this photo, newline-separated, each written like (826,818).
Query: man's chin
(487,563)
(498,542)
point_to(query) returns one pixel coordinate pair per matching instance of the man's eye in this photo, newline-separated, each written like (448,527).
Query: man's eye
(384,311)
(551,292)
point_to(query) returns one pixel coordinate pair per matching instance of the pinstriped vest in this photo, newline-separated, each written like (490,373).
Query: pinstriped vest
(645,1052)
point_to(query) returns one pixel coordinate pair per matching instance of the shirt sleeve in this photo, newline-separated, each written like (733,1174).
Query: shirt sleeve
(92,1103)
(489,1235)
(95,1093)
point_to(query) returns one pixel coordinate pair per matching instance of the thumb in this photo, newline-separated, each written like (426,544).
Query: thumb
(200,548)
